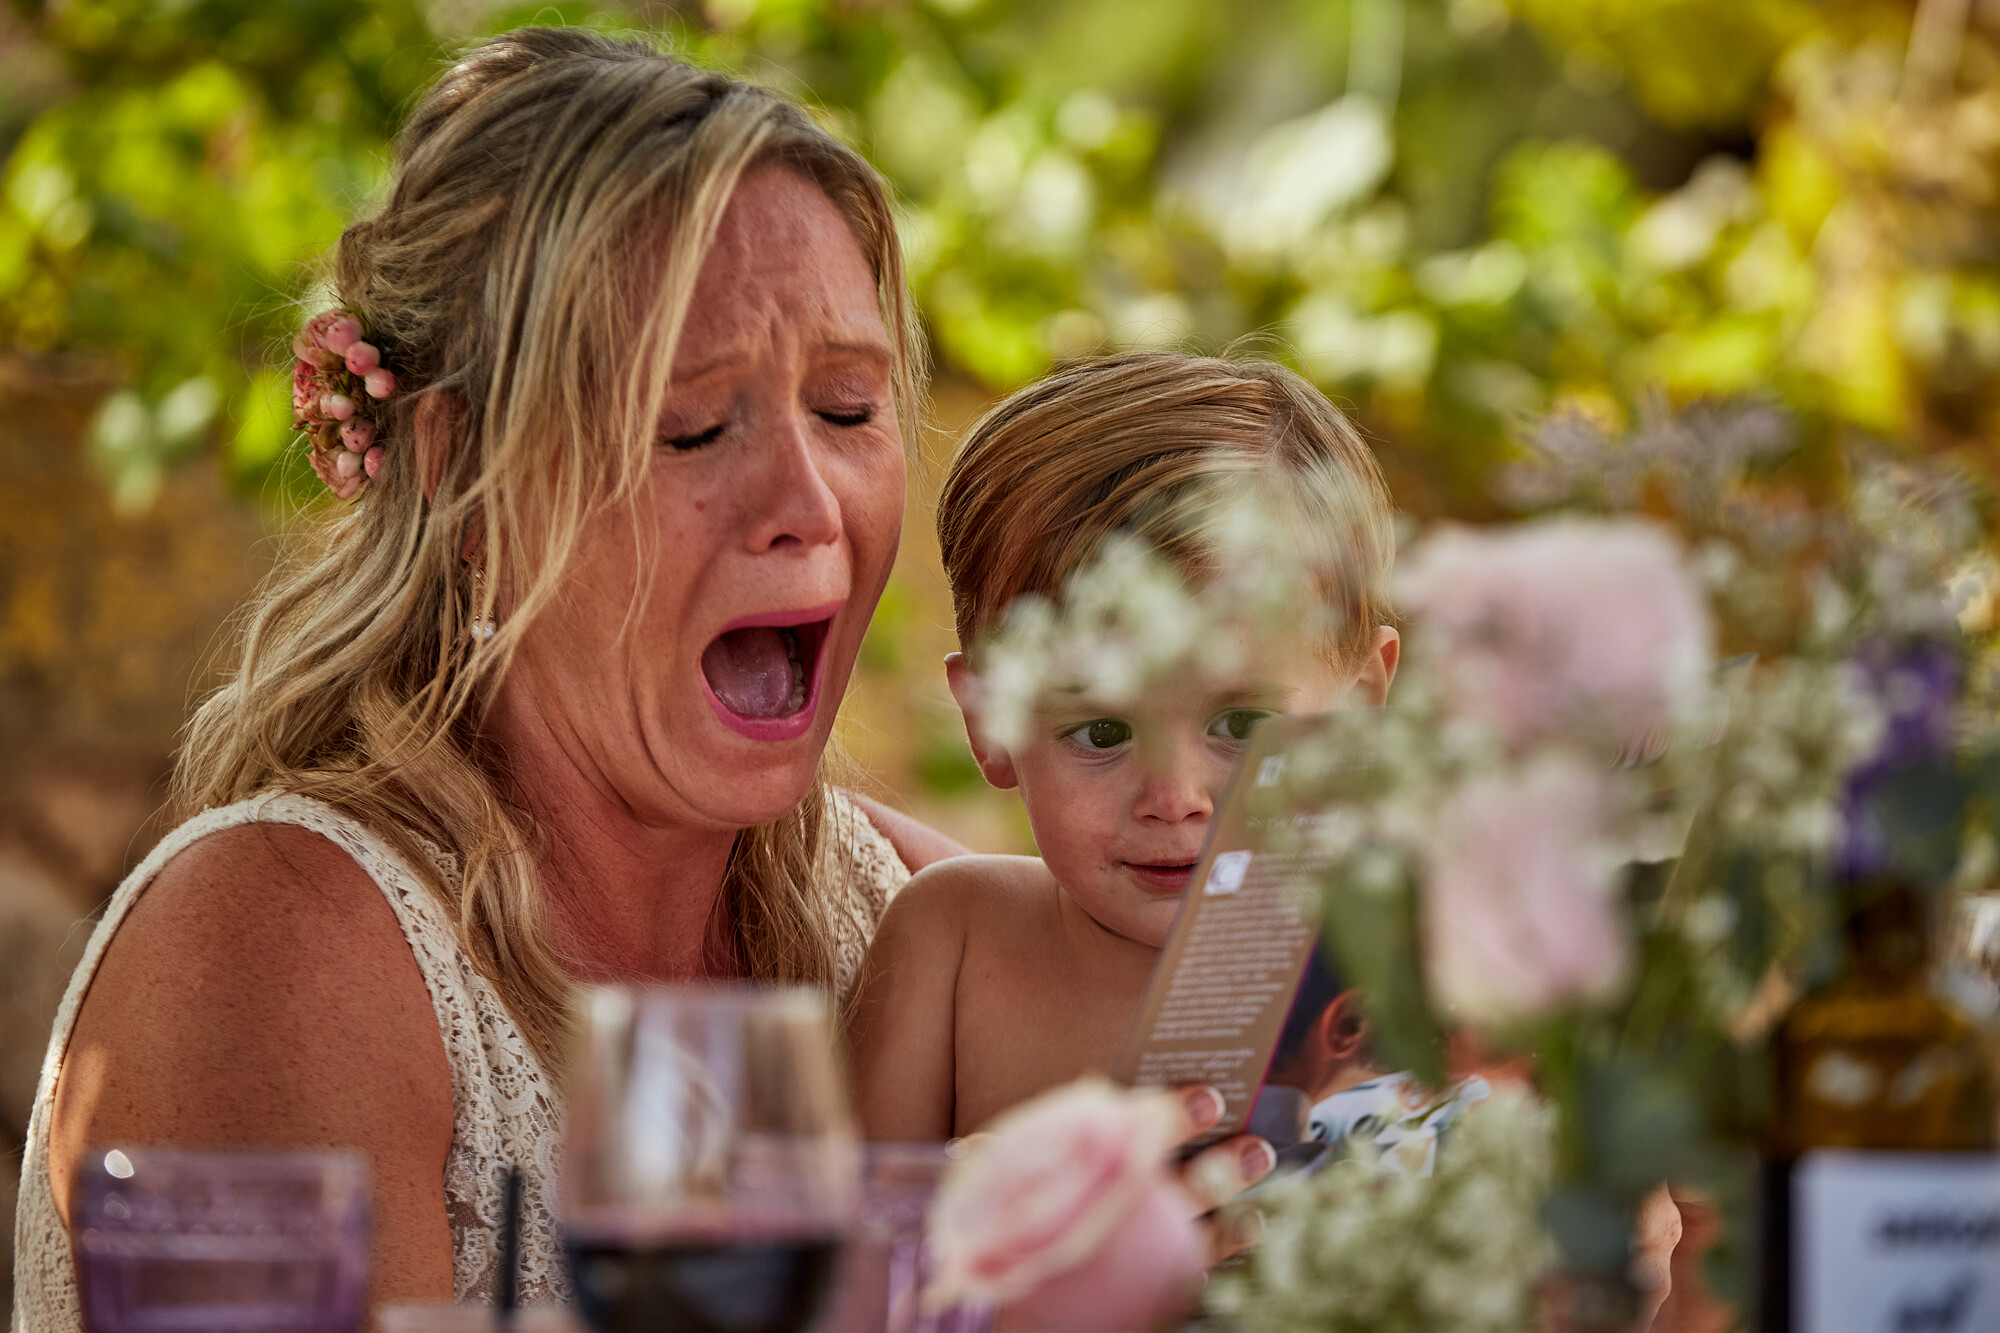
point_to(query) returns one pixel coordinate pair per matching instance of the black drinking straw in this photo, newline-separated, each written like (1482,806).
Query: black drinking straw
(508,1293)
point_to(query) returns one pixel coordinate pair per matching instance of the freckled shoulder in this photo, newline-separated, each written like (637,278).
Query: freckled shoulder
(976,891)
(902,1024)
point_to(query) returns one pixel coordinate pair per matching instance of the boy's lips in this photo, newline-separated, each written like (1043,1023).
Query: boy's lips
(762,673)
(1162,876)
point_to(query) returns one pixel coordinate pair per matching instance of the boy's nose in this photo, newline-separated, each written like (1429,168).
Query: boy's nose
(1171,798)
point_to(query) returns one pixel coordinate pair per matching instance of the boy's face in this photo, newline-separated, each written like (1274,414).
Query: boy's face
(1120,798)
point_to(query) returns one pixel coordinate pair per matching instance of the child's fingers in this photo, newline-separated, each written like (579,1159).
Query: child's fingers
(1219,1174)
(1200,1108)
(1232,1230)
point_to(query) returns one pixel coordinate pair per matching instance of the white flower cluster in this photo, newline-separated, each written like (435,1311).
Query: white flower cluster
(1363,1247)
(1769,790)
(1131,619)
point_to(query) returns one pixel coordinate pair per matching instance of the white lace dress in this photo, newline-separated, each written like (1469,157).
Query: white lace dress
(505,1110)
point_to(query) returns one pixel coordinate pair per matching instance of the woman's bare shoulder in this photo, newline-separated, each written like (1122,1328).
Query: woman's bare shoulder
(259,990)
(267,905)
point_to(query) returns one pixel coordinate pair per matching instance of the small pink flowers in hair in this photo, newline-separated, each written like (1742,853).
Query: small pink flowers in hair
(336,384)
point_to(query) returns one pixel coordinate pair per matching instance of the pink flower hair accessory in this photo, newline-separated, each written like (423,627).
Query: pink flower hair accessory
(338,385)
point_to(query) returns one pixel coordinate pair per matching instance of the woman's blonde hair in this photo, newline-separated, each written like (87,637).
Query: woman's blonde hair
(542,182)
(1148,444)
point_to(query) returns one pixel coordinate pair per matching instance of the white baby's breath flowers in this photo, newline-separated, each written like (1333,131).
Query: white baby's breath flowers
(1131,619)
(1558,717)
(1361,1246)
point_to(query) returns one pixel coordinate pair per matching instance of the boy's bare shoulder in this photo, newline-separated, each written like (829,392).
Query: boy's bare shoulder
(965,895)
(964,887)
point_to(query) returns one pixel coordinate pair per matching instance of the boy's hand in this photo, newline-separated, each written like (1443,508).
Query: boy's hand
(1219,1173)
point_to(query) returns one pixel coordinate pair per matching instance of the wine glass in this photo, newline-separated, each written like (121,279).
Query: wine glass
(712,1168)
(168,1240)
(892,1263)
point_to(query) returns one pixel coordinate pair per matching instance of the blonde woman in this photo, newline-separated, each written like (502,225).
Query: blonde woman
(617,384)
(549,700)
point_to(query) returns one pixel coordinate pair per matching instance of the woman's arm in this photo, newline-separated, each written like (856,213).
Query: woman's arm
(917,843)
(901,1024)
(261,992)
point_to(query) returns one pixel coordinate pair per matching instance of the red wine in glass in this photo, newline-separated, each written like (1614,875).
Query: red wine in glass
(712,1171)
(704,1284)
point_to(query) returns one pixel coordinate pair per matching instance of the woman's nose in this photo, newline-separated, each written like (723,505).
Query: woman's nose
(795,506)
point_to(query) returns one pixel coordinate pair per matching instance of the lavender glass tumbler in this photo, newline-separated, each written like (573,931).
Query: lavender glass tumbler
(174,1241)
(886,1267)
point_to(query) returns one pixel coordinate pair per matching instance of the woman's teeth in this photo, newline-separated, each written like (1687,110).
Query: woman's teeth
(797,698)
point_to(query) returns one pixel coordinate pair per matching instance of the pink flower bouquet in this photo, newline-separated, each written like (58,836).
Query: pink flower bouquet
(1521,911)
(1565,625)
(1066,1216)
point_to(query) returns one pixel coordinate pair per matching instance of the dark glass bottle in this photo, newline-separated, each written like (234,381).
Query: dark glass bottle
(1881,1191)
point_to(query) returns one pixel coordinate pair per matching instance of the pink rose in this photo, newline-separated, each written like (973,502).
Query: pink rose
(1561,624)
(1066,1214)
(1519,909)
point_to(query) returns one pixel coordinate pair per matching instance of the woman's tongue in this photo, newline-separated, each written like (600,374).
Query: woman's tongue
(756,672)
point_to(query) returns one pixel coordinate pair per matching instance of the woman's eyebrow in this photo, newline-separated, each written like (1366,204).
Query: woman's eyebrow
(873,351)
(731,360)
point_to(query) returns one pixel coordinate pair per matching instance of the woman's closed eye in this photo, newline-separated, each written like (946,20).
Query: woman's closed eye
(1104,733)
(696,440)
(859,414)
(1235,724)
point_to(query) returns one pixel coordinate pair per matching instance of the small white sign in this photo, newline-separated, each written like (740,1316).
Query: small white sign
(1889,1242)
(1226,875)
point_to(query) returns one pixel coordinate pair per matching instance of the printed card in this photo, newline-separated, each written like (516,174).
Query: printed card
(1246,930)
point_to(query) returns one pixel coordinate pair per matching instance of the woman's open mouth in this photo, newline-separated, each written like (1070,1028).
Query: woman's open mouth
(1162,876)
(763,672)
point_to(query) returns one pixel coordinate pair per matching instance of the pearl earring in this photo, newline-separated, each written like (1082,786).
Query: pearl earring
(482,627)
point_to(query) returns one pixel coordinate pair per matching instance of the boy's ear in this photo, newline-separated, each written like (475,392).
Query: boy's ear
(1341,1029)
(1378,668)
(994,762)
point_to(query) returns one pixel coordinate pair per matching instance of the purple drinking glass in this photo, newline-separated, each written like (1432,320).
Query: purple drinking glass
(884,1271)
(174,1241)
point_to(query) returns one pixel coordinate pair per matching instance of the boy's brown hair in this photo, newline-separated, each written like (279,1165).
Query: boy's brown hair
(1142,443)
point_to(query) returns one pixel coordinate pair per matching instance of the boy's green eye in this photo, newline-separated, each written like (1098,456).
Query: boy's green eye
(1235,724)
(1104,734)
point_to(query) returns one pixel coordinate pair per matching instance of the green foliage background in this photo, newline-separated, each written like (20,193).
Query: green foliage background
(1456,215)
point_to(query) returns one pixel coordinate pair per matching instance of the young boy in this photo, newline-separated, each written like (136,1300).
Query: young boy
(993,978)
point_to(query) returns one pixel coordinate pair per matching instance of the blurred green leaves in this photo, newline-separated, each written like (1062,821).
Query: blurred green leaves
(162,220)
(1691,62)
(1455,214)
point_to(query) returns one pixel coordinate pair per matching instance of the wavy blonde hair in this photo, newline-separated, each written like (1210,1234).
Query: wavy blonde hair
(540,183)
